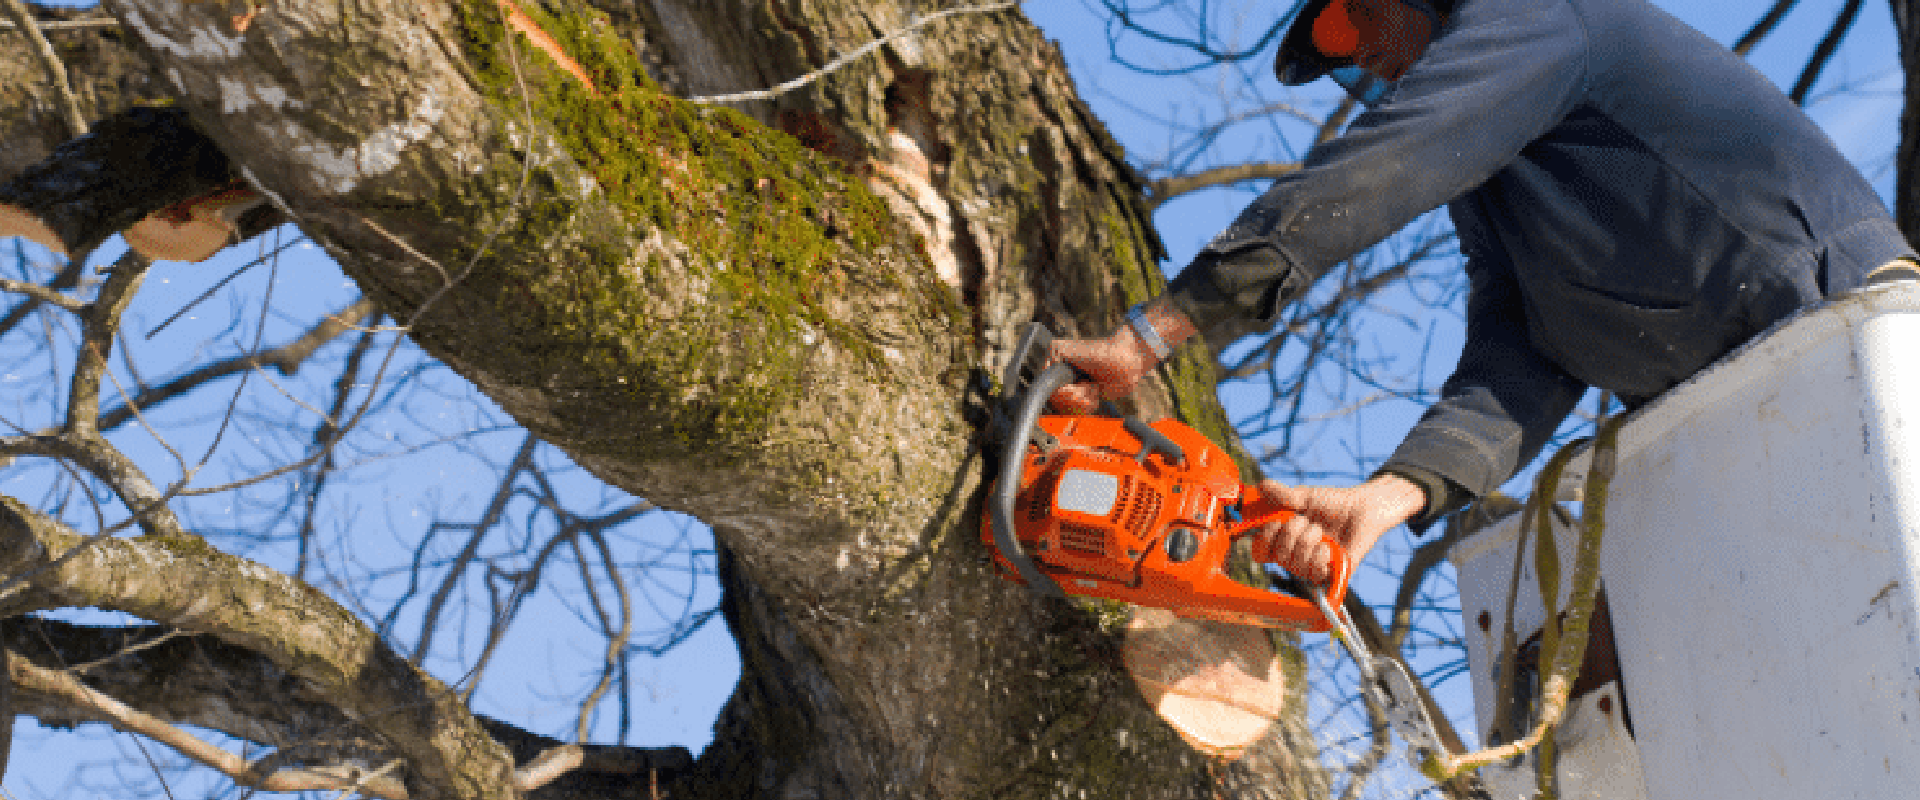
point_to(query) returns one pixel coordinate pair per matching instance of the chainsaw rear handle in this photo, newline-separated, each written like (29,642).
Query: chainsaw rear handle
(1257,514)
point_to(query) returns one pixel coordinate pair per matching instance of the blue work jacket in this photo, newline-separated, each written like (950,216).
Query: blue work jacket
(1633,199)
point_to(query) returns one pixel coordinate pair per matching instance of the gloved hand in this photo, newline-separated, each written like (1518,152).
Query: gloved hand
(1356,517)
(1116,362)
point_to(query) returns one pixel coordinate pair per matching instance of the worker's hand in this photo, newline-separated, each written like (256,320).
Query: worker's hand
(1117,361)
(1355,517)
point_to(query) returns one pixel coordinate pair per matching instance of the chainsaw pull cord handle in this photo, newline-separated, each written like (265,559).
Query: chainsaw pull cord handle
(1256,514)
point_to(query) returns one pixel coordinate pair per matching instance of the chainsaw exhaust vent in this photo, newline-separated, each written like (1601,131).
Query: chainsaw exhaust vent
(1040,500)
(1143,509)
(1083,539)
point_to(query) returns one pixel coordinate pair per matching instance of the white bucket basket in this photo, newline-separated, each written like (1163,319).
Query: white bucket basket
(1762,556)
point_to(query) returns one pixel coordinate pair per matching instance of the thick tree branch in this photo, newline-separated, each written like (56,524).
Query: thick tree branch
(103,708)
(180,582)
(198,680)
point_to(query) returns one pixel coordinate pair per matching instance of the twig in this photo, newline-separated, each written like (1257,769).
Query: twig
(496,508)
(916,24)
(286,358)
(64,24)
(44,294)
(360,784)
(129,650)
(616,640)
(1763,27)
(1424,559)
(1823,52)
(1377,751)
(191,304)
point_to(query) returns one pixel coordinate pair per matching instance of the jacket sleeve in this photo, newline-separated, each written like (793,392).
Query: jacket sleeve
(1499,408)
(1499,75)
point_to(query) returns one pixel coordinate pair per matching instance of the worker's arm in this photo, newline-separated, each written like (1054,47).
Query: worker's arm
(1500,76)
(1500,406)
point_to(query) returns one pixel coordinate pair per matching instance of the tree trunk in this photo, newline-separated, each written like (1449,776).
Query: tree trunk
(774,318)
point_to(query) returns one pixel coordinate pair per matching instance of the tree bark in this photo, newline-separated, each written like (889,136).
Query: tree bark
(772,318)
(1906,193)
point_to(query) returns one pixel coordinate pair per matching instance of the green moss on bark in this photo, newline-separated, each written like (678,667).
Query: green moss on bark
(716,318)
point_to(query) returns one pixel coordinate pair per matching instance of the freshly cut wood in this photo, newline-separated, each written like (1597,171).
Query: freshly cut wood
(1220,686)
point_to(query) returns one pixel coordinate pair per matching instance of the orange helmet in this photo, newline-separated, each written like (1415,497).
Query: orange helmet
(1322,40)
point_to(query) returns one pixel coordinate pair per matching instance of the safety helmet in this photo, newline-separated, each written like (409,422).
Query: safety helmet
(1322,40)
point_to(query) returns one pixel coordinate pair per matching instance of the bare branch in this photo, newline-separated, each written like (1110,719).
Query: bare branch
(234,690)
(911,27)
(1368,626)
(616,639)
(1261,359)
(101,324)
(1165,189)
(43,294)
(65,24)
(429,621)
(43,52)
(286,358)
(1330,127)
(1380,745)
(548,766)
(68,278)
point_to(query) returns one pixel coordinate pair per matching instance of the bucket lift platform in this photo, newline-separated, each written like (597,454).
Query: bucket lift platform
(1762,564)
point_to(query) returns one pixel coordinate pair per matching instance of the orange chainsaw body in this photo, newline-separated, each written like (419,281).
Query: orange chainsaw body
(1101,520)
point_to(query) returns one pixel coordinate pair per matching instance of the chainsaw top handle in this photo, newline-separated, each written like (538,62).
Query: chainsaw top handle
(1012,453)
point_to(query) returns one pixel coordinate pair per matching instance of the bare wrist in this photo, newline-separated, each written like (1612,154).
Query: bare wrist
(1401,496)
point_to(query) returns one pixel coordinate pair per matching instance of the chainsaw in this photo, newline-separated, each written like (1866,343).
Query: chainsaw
(1112,507)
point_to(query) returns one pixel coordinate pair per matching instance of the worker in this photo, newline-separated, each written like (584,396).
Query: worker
(1633,201)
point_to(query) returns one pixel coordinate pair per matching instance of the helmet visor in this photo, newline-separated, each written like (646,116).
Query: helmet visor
(1364,87)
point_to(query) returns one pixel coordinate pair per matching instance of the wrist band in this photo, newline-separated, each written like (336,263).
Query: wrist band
(1137,319)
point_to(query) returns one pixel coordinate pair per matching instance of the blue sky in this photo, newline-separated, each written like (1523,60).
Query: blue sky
(1857,102)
